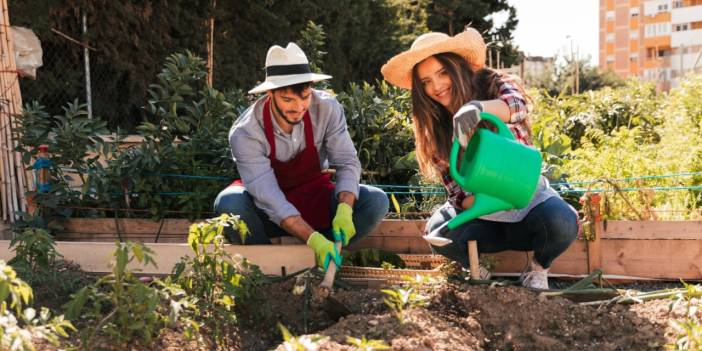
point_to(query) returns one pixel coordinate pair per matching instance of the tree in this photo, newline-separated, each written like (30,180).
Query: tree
(560,80)
(133,38)
(451,17)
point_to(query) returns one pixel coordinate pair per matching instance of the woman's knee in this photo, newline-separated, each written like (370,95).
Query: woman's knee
(563,223)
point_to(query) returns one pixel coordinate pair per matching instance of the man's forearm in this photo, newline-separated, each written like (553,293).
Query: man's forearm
(297,227)
(347,197)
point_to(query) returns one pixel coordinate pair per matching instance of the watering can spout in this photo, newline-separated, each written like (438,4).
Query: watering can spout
(483,205)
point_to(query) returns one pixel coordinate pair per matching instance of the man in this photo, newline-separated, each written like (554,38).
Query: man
(280,145)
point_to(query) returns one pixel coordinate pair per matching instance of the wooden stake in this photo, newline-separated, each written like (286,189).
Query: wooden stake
(594,251)
(473,260)
(210,47)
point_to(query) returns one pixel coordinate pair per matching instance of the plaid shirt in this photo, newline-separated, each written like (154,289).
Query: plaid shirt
(510,94)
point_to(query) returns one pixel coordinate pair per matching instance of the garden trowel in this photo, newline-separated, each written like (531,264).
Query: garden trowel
(334,308)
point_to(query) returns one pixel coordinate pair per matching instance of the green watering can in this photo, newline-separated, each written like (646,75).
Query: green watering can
(501,172)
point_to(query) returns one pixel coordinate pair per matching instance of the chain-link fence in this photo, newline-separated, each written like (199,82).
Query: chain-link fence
(65,77)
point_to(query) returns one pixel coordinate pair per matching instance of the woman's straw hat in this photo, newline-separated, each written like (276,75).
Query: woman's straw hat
(469,44)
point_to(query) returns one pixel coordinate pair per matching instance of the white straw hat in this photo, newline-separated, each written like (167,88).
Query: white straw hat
(469,44)
(285,67)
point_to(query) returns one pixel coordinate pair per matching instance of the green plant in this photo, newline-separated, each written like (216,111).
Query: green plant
(372,258)
(35,248)
(119,306)
(364,344)
(689,329)
(300,343)
(218,281)
(379,124)
(400,300)
(418,281)
(16,335)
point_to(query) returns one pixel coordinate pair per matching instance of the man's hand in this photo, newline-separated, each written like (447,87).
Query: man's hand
(465,120)
(324,250)
(342,225)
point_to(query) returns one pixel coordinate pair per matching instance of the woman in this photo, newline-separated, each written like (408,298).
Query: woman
(450,87)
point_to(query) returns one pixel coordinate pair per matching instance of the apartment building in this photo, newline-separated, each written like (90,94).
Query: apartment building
(657,40)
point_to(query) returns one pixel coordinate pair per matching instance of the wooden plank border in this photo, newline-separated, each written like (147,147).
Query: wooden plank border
(270,258)
(648,249)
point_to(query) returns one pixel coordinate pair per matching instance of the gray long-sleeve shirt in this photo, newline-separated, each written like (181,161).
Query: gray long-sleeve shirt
(250,151)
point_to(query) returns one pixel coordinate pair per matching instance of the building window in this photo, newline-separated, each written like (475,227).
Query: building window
(610,59)
(609,16)
(650,53)
(634,57)
(634,11)
(662,7)
(681,27)
(634,34)
(678,4)
(657,29)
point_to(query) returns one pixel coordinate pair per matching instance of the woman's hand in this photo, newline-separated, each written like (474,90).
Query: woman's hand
(468,202)
(465,120)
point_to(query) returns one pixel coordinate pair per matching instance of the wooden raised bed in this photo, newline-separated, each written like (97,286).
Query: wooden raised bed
(642,249)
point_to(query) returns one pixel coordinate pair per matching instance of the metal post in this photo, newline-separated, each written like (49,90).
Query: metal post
(86,59)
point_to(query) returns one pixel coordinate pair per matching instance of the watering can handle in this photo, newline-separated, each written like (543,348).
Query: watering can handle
(502,130)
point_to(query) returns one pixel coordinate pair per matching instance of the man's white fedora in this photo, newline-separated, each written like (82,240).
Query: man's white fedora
(285,67)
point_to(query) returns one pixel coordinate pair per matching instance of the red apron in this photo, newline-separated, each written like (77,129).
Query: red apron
(301,179)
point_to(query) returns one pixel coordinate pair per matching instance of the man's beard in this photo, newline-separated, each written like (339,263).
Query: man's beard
(282,115)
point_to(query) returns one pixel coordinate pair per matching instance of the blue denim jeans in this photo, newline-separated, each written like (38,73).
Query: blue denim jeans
(368,210)
(548,230)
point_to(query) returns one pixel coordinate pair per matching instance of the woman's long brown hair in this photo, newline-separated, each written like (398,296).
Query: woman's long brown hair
(433,124)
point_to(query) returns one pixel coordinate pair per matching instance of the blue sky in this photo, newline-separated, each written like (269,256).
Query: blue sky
(546,27)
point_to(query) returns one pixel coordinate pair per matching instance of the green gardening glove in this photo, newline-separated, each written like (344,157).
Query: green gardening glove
(342,225)
(324,250)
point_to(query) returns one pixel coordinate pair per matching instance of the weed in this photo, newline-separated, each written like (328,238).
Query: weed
(364,344)
(300,343)
(19,334)
(401,300)
(217,281)
(689,329)
(121,307)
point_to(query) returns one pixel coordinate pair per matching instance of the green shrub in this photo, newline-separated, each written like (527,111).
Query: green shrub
(19,333)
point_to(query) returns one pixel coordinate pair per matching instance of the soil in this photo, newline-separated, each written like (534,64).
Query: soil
(457,316)
(479,317)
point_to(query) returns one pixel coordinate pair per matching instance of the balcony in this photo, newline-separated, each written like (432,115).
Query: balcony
(686,14)
(686,37)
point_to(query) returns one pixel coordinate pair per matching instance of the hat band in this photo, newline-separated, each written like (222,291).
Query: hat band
(284,70)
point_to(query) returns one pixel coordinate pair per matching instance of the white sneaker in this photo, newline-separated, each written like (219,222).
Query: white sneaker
(484,273)
(536,277)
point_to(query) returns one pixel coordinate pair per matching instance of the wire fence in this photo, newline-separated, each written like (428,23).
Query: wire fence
(65,77)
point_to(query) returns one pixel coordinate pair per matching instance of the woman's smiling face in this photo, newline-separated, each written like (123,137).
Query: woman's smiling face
(436,82)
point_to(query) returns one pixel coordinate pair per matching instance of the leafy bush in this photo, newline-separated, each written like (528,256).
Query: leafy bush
(34,248)
(20,334)
(627,132)
(217,281)
(122,308)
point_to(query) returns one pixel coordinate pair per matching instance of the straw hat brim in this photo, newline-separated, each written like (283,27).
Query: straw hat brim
(283,81)
(468,44)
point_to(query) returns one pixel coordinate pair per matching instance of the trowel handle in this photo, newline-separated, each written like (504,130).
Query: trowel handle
(328,280)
